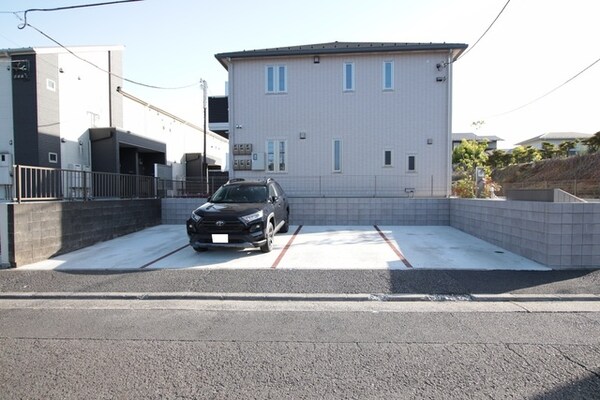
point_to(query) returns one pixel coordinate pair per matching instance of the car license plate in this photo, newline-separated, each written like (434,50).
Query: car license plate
(220,238)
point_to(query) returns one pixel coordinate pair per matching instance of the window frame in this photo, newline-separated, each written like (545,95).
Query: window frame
(391,76)
(273,79)
(277,156)
(51,85)
(352,76)
(414,163)
(337,162)
(391,164)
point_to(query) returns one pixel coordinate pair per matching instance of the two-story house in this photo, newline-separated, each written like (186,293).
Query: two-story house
(344,119)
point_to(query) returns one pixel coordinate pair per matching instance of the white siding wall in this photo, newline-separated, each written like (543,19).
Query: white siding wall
(6,110)
(368,120)
(83,103)
(179,138)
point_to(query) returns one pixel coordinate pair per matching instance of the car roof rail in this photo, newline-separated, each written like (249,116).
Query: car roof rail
(236,180)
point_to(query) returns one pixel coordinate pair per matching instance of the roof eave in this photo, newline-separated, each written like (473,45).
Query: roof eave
(456,50)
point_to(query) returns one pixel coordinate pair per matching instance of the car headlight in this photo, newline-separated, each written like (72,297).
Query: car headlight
(252,217)
(196,217)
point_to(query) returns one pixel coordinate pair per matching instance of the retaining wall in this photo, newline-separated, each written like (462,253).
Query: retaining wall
(38,231)
(559,235)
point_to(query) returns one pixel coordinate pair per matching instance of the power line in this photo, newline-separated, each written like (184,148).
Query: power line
(549,92)
(24,24)
(484,33)
(102,69)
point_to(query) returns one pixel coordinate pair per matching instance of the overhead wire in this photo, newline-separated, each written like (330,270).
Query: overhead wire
(106,3)
(484,33)
(549,92)
(100,68)
(538,98)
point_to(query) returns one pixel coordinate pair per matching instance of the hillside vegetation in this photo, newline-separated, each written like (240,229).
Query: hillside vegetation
(579,175)
(585,167)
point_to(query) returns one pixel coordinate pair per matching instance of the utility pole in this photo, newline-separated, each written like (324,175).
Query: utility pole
(204,87)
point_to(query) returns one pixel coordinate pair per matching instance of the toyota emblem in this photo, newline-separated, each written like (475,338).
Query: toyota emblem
(220,223)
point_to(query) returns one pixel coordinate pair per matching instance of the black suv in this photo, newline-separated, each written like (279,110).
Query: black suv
(241,213)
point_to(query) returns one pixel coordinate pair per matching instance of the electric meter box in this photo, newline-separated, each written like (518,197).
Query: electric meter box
(258,161)
(6,165)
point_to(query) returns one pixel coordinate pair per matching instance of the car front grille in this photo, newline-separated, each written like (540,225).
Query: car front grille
(216,225)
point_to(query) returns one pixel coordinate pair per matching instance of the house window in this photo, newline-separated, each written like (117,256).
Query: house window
(337,155)
(387,158)
(53,158)
(51,85)
(388,75)
(276,79)
(412,163)
(348,77)
(277,156)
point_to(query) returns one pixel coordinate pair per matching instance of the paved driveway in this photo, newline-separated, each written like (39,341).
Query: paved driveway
(303,247)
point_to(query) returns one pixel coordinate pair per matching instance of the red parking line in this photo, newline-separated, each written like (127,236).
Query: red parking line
(396,250)
(287,246)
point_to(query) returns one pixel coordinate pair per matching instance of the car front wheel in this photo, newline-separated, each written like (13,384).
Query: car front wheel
(268,246)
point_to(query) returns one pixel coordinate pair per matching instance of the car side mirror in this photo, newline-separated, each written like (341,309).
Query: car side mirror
(274,199)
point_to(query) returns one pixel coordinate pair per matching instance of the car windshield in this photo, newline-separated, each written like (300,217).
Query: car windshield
(240,194)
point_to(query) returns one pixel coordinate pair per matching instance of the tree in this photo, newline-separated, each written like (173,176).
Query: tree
(548,150)
(593,143)
(566,146)
(499,159)
(468,155)
(525,154)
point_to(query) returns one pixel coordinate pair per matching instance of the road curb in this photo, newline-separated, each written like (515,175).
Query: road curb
(507,297)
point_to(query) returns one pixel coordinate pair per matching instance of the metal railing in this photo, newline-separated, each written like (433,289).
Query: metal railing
(191,187)
(39,183)
(341,185)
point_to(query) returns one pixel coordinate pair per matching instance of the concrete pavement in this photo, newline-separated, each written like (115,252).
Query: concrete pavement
(303,247)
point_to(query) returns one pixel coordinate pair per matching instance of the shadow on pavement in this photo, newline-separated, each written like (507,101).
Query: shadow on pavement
(305,281)
(585,388)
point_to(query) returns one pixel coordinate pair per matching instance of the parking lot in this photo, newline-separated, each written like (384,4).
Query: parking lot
(303,247)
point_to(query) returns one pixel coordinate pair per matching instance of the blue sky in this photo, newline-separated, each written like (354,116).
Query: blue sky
(534,46)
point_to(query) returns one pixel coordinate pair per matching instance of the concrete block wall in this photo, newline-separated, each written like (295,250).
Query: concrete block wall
(559,235)
(38,231)
(368,211)
(177,211)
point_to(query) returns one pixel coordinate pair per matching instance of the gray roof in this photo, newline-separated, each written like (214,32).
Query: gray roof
(556,136)
(473,136)
(342,48)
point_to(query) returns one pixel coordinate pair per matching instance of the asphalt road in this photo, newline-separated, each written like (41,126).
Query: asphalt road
(305,281)
(274,350)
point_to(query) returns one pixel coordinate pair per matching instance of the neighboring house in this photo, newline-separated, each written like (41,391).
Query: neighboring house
(344,118)
(61,110)
(556,138)
(492,141)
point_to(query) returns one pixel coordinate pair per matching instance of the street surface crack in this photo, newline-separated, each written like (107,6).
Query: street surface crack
(585,367)
(509,348)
